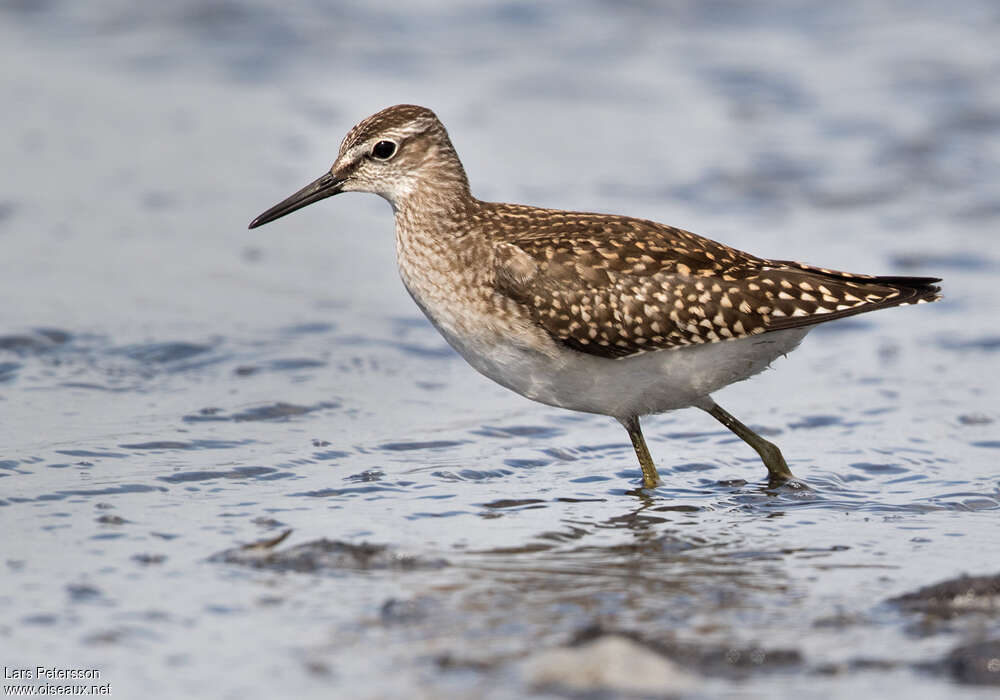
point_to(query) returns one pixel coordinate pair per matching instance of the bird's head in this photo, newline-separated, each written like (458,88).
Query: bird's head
(400,153)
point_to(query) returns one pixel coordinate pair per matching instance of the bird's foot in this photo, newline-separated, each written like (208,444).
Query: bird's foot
(788,482)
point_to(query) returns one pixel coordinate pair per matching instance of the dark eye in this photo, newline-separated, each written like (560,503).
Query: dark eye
(383,150)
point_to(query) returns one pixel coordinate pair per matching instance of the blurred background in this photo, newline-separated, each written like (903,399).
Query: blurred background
(173,385)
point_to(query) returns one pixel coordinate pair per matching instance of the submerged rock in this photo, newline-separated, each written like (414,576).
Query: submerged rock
(323,555)
(977,663)
(967,594)
(736,660)
(612,663)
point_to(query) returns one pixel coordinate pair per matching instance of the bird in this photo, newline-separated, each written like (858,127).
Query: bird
(598,313)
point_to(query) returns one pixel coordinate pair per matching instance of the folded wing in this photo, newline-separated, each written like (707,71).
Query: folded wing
(616,286)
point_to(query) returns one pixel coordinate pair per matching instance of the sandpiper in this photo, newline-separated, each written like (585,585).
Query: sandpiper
(590,312)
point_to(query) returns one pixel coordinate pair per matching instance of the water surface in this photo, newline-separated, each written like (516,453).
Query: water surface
(173,386)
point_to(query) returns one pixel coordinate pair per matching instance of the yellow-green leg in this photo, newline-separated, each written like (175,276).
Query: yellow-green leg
(777,468)
(650,479)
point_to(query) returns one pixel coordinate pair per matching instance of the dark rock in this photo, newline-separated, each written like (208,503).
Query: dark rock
(737,659)
(967,594)
(977,663)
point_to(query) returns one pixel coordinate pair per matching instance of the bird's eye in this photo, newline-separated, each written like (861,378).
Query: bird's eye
(384,150)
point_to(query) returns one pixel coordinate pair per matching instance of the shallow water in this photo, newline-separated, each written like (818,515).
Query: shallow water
(173,386)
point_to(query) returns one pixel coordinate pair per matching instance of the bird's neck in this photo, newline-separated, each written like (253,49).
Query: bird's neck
(436,234)
(442,212)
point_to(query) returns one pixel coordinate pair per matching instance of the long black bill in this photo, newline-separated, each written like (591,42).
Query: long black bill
(324,187)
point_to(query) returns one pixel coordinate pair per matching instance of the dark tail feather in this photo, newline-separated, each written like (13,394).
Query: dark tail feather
(919,288)
(915,282)
(914,290)
(880,293)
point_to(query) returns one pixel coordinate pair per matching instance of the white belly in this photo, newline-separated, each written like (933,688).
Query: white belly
(650,382)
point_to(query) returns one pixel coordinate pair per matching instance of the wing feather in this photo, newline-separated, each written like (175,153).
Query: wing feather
(615,286)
